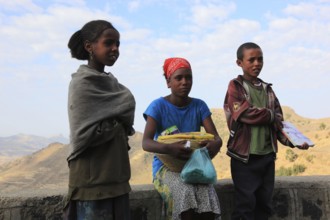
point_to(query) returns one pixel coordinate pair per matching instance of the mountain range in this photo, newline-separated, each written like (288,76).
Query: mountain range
(15,146)
(22,144)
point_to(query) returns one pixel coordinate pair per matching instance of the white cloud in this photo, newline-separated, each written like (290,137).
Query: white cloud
(136,34)
(209,15)
(306,10)
(39,38)
(36,62)
(133,5)
(19,6)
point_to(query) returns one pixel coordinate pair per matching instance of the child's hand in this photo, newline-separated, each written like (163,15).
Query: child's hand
(213,147)
(179,150)
(304,146)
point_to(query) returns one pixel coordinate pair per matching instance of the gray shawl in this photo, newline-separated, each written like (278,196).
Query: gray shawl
(95,97)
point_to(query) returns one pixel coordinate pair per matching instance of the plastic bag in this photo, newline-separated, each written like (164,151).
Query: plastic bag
(199,168)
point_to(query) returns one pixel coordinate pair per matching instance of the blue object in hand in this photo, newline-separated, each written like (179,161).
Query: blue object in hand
(199,168)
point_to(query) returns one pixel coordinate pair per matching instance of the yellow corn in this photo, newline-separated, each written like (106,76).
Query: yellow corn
(190,135)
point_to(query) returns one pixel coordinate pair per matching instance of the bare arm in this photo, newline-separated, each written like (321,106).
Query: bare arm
(212,146)
(149,144)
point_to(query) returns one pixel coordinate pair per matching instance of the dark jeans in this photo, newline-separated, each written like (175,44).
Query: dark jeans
(106,209)
(254,185)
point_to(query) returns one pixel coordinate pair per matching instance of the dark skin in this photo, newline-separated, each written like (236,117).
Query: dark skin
(105,49)
(251,65)
(180,83)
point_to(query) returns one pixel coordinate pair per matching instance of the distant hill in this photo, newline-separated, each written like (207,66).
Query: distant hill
(46,169)
(23,144)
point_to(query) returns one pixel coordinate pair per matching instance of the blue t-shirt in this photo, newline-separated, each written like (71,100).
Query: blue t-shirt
(187,119)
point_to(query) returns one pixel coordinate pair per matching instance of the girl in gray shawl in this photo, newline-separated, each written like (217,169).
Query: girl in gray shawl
(101,115)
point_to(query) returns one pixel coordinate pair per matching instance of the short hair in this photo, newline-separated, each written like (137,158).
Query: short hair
(248,45)
(91,31)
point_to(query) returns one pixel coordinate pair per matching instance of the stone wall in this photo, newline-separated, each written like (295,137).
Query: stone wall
(295,198)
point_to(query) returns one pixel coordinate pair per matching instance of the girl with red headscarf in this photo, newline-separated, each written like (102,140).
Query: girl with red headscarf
(181,200)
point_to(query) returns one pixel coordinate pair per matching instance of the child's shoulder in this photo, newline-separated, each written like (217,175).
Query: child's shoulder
(158,101)
(198,101)
(194,99)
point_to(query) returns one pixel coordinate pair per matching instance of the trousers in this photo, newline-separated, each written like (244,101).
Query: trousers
(254,186)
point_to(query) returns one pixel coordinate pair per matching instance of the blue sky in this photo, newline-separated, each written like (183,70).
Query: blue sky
(36,65)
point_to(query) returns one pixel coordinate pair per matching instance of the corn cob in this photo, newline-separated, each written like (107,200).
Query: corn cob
(190,135)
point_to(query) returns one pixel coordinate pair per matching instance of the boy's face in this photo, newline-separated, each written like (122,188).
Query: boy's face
(251,63)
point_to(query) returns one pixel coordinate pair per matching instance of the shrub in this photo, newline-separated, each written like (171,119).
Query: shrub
(298,168)
(310,158)
(290,171)
(290,155)
(284,171)
(322,126)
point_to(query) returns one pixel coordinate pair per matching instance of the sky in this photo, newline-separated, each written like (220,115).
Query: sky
(36,66)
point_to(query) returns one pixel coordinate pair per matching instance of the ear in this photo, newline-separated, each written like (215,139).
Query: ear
(168,83)
(239,62)
(88,46)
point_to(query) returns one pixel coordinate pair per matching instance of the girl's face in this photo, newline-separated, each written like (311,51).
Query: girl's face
(105,49)
(251,63)
(180,82)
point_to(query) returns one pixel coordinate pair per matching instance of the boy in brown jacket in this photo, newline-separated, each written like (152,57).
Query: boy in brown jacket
(254,117)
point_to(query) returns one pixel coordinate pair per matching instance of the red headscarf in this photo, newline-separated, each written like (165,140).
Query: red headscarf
(174,63)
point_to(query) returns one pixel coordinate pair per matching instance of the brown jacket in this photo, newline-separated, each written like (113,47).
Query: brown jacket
(240,114)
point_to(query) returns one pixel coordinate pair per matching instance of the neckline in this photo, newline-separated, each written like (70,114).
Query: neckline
(90,67)
(256,84)
(180,107)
